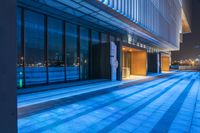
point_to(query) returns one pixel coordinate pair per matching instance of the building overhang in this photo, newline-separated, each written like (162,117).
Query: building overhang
(95,12)
(134,27)
(185,24)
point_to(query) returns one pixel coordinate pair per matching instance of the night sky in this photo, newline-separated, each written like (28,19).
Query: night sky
(190,48)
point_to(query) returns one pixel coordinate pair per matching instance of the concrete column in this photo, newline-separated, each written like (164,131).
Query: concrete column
(8,111)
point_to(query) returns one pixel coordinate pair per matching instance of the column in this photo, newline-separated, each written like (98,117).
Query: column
(8,111)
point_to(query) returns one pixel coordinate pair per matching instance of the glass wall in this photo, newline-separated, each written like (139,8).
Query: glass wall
(84,53)
(96,49)
(56,70)
(112,38)
(35,69)
(105,53)
(72,69)
(104,38)
(20,73)
(51,50)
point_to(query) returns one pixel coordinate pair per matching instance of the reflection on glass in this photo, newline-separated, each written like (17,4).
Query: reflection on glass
(96,49)
(55,50)
(104,55)
(125,39)
(104,39)
(72,70)
(35,59)
(35,70)
(112,38)
(20,77)
(84,53)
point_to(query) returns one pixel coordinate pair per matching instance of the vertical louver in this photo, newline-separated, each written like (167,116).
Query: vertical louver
(160,17)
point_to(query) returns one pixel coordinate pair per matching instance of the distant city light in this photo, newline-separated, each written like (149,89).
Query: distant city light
(187,62)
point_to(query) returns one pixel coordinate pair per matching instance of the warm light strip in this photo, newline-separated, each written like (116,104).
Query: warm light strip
(185,25)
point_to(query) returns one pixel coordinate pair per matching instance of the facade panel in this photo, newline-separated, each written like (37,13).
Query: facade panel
(54,45)
(34,43)
(20,59)
(72,66)
(84,53)
(155,16)
(56,71)
(95,54)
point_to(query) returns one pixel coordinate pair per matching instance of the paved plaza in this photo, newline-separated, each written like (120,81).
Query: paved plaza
(168,104)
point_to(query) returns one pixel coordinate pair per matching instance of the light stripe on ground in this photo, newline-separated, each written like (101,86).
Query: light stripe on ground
(90,110)
(145,118)
(114,124)
(153,119)
(164,123)
(27,111)
(41,95)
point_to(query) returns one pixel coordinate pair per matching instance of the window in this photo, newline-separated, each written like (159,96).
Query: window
(112,38)
(55,50)
(105,56)
(96,49)
(104,39)
(35,69)
(125,38)
(50,50)
(72,70)
(84,53)
(20,73)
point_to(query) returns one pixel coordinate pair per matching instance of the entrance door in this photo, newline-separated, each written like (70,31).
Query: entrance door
(126,64)
(134,62)
(139,63)
(153,61)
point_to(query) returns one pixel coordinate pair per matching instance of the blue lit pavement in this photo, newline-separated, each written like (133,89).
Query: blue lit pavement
(169,104)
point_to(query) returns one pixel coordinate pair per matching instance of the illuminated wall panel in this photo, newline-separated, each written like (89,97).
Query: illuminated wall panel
(165,63)
(139,63)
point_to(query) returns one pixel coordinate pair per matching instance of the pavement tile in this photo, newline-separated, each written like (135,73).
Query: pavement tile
(195,129)
(56,119)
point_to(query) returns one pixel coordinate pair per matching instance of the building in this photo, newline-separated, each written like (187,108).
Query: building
(71,40)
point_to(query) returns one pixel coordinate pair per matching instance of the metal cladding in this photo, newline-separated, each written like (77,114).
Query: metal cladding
(160,17)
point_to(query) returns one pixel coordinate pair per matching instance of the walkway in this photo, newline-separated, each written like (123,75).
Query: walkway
(169,104)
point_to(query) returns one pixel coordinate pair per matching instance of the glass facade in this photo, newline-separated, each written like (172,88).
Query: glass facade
(51,50)
(59,48)
(72,69)
(56,70)
(20,74)
(84,53)
(96,49)
(35,69)
(112,38)
(104,55)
